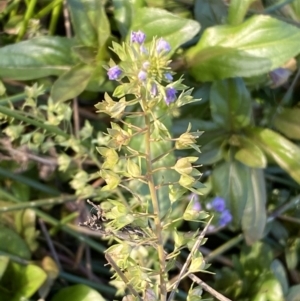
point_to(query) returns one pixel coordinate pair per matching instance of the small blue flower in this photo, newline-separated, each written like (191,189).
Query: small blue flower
(170,95)
(114,72)
(153,90)
(162,45)
(225,218)
(142,75)
(217,204)
(138,37)
(168,76)
(143,49)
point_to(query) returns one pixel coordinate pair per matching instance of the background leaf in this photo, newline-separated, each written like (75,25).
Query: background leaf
(256,46)
(230,181)
(35,58)
(230,104)
(78,292)
(287,122)
(72,83)
(255,216)
(284,152)
(172,28)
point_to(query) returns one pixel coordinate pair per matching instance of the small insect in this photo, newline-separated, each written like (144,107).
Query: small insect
(95,222)
(98,222)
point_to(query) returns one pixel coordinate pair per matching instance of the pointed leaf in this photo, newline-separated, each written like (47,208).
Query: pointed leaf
(72,83)
(250,154)
(174,29)
(285,153)
(230,180)
(78,292)
(230,104)
(124,14)
(255,47)
(255,216)
(36,58)
(287,122)
(237,11)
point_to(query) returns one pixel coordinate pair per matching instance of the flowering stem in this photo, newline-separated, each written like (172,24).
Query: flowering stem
(156,211)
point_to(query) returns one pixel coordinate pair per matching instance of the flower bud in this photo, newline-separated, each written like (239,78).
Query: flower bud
(163,45)
(114,72)
(170,95)
(138,37)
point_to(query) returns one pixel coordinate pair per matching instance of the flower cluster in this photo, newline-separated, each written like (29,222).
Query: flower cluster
(218,204)
(149,68)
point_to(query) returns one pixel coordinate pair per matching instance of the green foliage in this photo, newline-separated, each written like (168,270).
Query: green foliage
(142,157)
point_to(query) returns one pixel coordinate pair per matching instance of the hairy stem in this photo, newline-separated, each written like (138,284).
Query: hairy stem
(156,211)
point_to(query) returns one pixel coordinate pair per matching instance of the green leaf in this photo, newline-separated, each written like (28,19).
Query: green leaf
(4,260)
(250,154)
(36,58)
(255,216)
(269,289)
(82,21)
(280,273)
(294,293)
(230,104)
(78,292)
(133,169)
(210,12)
(230,180)
(255,47)
(174,29)
(12,243)
(212,152)
(285,153)
(72,83)
(237,11)
(124,13)
(287,122)
(26,280)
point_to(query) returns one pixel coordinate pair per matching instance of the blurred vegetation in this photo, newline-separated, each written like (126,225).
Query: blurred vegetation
(241,57)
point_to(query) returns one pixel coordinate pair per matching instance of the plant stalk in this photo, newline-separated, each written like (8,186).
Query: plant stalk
(156,211)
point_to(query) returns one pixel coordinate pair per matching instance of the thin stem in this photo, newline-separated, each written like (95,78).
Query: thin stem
(156,211)
(28,15)
(122,276)
(189,260)
(54,18)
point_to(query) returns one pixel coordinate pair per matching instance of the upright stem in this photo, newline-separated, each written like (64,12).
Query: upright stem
(156,211)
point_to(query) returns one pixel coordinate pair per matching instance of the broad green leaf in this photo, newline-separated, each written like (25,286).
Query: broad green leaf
(210,12)
(12,243)
(287,121)
(294,293)
(255,216)
(26,280)
(72,83)
(254,47)
(278,270)
(230,181)
(270,289)
(212,152)
(125,12)
(78,292)
(36,58)
(230,104)
(250,154)
(285,153)
(237,11)
(4,260)
(296,8)
(174,29)
(82,21)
